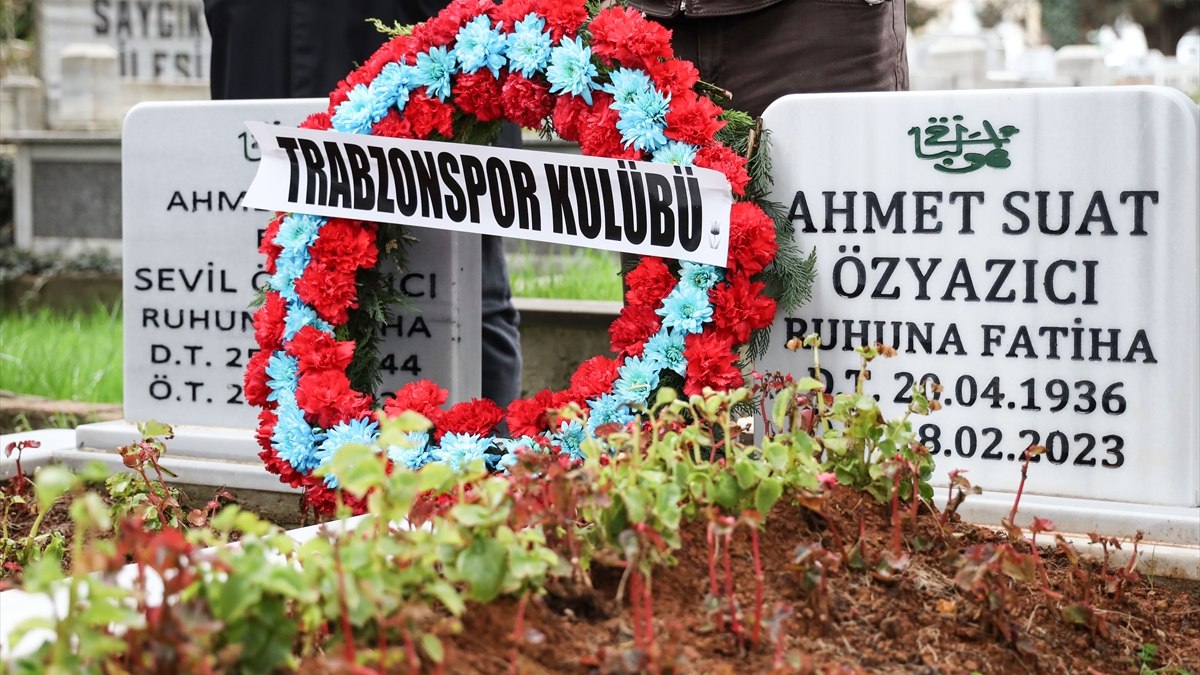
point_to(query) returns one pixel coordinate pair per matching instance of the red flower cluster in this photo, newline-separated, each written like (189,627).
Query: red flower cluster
(477,416)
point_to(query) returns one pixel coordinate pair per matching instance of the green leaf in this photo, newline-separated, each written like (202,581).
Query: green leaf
(768,492)
(448,595)
(665,396)
(726,492)
(152,428)
(635,505)
(776,454)
(810,384)
(483,566)
(746,470)
(432,646)
(435,476)
(52,482)
(357,468)
(1076,614)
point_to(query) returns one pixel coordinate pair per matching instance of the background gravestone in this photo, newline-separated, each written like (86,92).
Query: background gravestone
(1034,251)
(191,269)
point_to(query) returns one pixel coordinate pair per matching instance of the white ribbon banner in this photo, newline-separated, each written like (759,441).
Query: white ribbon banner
(609,204)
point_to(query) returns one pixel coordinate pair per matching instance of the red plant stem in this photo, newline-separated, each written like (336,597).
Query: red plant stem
(896,515)
(347,631)
(916,495)
(712,560)
(648,609)
(762,405)
(734,626)
(1012,515)
(758,585)
(518,631)
(410,653)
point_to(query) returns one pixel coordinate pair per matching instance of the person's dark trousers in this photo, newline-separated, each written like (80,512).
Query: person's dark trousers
(303,48)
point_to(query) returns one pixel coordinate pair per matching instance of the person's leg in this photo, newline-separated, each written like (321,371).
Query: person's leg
(501,339)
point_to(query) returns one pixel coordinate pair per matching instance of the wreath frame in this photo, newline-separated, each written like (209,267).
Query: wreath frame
(607,79)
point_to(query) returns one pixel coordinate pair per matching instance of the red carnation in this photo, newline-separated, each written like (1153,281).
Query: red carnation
(255,379)
(399,49)
(329,291)
(324,395)
(635,325)
(393,125)
(720,158)
(346,245)
(267,245)
(569,116)
(268,322)
(317,350)
(622,34)
(266,427)
(318,120)
(674,76)
(563,17)
(740,307)
(422,397)
(428,115)
(281,467)
(594,377)
(649,282)
(751,238)
(478,94)
(564,399)
(693,119)
(710,363)
(477,416)
(527,416)
(508,13)
(526,102)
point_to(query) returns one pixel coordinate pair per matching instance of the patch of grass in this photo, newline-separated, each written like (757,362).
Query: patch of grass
(65,356)
(565,274)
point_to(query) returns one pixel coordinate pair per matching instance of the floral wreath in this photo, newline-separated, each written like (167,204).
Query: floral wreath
(607,80)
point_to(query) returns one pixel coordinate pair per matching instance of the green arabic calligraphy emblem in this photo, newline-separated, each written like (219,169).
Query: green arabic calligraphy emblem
(950,145)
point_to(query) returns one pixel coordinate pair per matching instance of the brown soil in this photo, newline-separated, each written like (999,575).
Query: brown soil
(919,623)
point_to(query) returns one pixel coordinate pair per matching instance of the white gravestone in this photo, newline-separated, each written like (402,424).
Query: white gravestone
(192,267)
(1034,251)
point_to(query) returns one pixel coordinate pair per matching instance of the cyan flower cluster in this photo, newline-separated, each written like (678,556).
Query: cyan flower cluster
(685,310)
(359,432)
(414,452)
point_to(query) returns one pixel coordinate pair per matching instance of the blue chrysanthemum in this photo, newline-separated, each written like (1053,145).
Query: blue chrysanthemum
(529,46)
(298,231)
(414,452)
(289,266)
(571,70)
(607,409)
(665,350)
(434,69)
(300,315)
(359,112)
(676,153)
(624,84)
(359,432)
(699,275)
(459,450)
(686,308)
(393,85)
(569,437)
(636,378)
(283,371)
(294,439)
(643,120)
(479,45)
